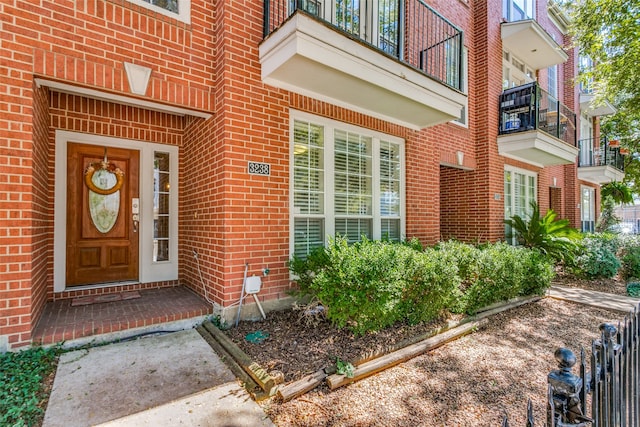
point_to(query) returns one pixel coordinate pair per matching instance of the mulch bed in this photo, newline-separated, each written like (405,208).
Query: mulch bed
(297,347)
(473,381)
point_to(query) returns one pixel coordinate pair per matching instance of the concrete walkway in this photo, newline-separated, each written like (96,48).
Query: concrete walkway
(593,298)
(168,380)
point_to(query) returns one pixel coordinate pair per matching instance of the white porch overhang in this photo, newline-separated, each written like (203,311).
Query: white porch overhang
(600,174)
(532,44)
(588,106)
(537,148)
(119,99)
(308,57)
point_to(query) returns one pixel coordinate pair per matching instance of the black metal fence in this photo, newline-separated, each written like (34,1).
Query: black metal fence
(605,395)
(409,30)
(605,154)
(529,107)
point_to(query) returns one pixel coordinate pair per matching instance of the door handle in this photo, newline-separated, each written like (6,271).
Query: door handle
(135,211)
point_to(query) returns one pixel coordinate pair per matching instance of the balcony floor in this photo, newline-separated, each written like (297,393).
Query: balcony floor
(60,321)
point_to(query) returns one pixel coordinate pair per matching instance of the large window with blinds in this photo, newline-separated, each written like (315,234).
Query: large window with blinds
(520,189)
(345,181)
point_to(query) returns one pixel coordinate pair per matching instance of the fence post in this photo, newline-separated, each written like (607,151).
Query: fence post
(565,393)
(606,396)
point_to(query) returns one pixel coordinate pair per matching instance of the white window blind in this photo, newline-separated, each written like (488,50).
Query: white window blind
(308,188)
(363,172)
(520,189)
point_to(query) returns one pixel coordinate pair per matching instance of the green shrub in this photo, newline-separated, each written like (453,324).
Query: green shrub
(360,285)
(551,236)
(633,289)
(631,263)
(597,258)
(629,254)
(370,285)
(500,274)
(429,281)
(496,272)
(373,284)
(539,273)
(306,268)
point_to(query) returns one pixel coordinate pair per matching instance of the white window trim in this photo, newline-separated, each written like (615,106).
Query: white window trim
(510,5)
(149,271)
(526,76)
(464,88)
(592,204)
(329,214)
(525,172)
(553,84)
(184,10)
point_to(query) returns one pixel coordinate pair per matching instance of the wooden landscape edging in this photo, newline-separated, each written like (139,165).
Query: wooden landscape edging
(392,359)
(254,376)
(249,384)
(301,386)
(486,312)
(255,371)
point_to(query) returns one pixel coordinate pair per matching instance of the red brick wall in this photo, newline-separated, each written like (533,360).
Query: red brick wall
(228,217)
(202,209)
(78,114)
(16,167)
(42,207)
(484,212)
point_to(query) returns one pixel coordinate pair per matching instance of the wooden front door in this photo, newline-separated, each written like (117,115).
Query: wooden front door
(102,226)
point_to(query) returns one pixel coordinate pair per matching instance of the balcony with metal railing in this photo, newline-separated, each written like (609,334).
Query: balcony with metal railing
(398,60)
(600,161)
(591,106)
(535,127)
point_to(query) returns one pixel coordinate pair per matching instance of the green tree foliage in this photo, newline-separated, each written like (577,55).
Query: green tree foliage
(608,32)
(551,236)
(619,192)
(608,216)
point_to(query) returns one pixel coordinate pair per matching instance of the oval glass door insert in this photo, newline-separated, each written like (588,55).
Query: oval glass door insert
(104,208)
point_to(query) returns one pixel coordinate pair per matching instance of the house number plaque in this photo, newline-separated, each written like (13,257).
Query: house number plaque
(256,168)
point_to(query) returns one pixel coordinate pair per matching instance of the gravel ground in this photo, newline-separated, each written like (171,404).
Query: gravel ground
(473,381)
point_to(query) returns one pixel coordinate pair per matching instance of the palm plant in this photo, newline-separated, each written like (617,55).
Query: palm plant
(553,237)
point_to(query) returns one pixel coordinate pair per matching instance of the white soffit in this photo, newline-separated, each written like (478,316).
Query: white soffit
(310,58)
(537,148)
(119,99)
(600,174)
(531,43)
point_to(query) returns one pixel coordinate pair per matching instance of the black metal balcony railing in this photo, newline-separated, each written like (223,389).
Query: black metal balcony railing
(408,30)
(529,107)
(602,155)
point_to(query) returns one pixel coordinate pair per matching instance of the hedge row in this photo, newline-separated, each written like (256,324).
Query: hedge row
(369,285)
(603,255)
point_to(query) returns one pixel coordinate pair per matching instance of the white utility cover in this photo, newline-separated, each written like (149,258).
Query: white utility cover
(252,285)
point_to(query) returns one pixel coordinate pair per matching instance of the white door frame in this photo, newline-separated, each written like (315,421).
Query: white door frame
(149,271)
